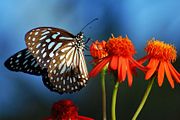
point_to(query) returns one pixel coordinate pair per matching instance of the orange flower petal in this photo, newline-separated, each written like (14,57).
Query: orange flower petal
(161,74)
(141,67)
(151,62)
(129,74)
(173,72)
(119,69)
(142,60)
(153,66)
(124,68)
(84,118)
(168,74)
(98,67)
(114,63)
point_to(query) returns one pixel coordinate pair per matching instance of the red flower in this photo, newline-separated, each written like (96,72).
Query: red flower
(98,49)
(160,56)
(120,57)
(65,110)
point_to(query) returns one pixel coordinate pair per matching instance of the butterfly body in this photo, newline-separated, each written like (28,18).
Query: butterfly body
(59,54)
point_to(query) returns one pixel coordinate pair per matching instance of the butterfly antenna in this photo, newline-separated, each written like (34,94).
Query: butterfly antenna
(88,55)
(86,47)
(89,23)
(87,40)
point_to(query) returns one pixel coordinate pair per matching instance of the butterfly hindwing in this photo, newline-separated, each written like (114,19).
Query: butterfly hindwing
(47,82)
(23,61)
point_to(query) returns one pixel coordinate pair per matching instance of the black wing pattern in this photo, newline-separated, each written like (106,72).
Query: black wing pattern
(23,61)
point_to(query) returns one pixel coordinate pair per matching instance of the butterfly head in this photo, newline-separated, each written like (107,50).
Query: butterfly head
(80,36)
(80,40)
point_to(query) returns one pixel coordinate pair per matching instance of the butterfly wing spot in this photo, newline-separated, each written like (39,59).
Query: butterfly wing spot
(30,33)
(19,55)
(55,65)
(29,38)
(16,61)
(57,46)
(44,55)
(25,62)
(51,54)
(55,35)
(38,45)
(64,89)
(54,61)
(44,45)
(42,38)
(37,51)
(64,82)
(51,45)
(66,38)
(40,60)
(48,40)
(28,55)
(33,63)
(36,65)
(49,29)
(61,57)
(65,49)
(42,51)
(45,32)
(36,33)
(33,39)
(54,71)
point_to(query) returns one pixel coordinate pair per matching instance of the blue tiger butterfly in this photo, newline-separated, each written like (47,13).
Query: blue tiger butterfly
(56,55)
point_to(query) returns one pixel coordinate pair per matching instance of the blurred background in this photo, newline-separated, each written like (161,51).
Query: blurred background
(24,97)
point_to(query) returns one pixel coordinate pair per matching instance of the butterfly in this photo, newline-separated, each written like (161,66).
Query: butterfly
(56,55)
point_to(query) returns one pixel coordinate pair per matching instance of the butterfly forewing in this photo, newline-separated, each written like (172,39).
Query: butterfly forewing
(43,42)
(23,61)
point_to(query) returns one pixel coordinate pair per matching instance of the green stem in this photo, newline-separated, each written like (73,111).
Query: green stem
(103,73)
(144,99)
(114,97)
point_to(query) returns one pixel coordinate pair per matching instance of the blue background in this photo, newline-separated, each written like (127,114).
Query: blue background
(24,96)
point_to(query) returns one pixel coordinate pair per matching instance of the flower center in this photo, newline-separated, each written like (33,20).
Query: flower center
(160,50)
(120,46)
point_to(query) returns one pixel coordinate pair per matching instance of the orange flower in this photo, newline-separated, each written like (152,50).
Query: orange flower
(160,56)
(120,57)
(98,50)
